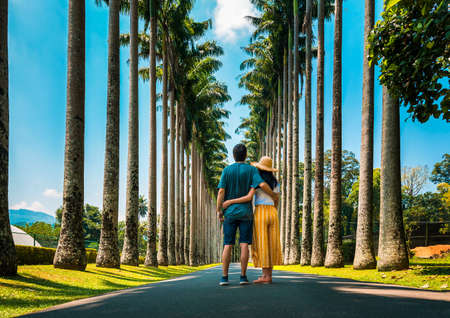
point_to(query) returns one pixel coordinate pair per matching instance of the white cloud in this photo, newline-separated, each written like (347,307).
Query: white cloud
(52,193)
(35,206)
(229,19)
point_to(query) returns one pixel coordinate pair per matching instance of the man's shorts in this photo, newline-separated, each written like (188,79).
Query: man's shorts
(245,231)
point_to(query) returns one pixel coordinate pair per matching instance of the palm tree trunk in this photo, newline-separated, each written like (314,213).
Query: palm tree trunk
(130,251)
(201,223)
(392,251)
(172,229)
(151,255)
(317,256)
(193,216)
(162,241)
(284,197)
(287,239)
(181,196)
(187,219)
(108,252)
(279,115)
(334,256)
(364,252)
(178,189)
(306,217)
(294,252)
(8,261)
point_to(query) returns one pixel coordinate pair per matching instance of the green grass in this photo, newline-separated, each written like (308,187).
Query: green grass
(37,287)
(432,272)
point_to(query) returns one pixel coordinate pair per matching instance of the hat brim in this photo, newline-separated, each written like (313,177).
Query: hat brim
(262,167)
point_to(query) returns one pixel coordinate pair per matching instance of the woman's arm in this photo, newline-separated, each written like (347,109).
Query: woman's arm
(243,199)
(275,196)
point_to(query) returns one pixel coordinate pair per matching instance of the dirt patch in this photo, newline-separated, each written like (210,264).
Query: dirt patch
(434,251)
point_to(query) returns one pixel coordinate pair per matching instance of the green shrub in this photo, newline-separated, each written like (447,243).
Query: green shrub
(31,255)
(91,254)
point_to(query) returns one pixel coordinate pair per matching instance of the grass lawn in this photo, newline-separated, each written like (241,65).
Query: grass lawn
(433,274)
(40,286)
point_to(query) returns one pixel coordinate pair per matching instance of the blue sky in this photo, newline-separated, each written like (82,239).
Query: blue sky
(37,51)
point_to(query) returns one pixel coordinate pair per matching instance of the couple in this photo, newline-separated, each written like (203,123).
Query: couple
(237,186)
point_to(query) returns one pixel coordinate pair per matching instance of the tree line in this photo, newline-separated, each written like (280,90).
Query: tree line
(192,134)
(278,72)
(279,67)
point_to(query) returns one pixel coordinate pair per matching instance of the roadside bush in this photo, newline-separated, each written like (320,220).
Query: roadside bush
(31,255)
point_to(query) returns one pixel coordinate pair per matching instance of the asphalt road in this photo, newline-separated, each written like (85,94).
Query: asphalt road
(291,295)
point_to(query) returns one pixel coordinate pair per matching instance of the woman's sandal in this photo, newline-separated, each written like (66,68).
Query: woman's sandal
(260,280)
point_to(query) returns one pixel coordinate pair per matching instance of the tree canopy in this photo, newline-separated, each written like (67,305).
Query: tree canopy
(411,45)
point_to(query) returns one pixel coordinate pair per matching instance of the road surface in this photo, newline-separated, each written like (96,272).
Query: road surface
(291,295)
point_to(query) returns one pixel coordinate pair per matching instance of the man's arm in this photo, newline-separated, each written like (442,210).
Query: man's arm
(275,196)
(220,198)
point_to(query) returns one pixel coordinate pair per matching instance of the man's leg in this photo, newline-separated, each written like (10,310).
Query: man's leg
(229,237)
(226,259)
(245,238)
(244,258)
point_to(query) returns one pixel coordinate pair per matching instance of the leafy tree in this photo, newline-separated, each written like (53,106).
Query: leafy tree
(353,197)
(426,207)
(441,171)
(92,219)
(142,238)
(411,46)
(350,171)
(414,179)
(44,233)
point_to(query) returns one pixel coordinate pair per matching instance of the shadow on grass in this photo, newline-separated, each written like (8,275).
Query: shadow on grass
(434,270)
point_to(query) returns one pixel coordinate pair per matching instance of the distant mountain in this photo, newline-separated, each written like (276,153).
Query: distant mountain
(22,217)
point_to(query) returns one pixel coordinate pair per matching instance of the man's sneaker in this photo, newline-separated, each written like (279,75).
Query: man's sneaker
(243,280)
(224,281)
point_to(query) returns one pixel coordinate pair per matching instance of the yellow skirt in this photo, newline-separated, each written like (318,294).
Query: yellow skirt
(266,246)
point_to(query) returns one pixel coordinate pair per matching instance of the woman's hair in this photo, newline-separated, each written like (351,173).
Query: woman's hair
(269,178)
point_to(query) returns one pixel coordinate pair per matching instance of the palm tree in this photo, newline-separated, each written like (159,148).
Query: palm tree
(70,253)
(181,192)
(143,206)
(162,247)
(285,152)
(177,186)
(306,217)
(8,262)
(334,256)
(294,251)
(193,261)
(392,251)
(171,238)
(364,251)
(151,256)
(108,253)
(187,217)
(130,251)
(279,117)
(289,204)
(317,256)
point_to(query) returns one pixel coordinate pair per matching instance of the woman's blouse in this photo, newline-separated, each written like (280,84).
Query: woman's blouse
(262,198)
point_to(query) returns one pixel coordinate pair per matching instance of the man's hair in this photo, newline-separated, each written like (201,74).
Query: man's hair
(240,152)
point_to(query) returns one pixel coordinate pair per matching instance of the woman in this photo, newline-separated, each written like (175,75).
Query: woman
(266,246)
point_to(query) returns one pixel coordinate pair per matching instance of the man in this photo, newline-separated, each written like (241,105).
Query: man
(236,181)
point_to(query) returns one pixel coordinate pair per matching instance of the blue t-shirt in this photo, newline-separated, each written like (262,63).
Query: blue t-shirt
(237,180)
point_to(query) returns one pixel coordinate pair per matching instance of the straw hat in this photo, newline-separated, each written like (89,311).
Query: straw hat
(265,163)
